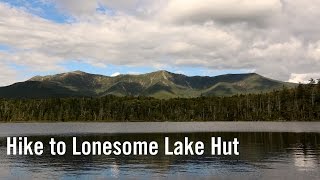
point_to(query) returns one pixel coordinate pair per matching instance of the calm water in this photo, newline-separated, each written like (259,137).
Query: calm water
(154,127)
(294,155)
(262,155)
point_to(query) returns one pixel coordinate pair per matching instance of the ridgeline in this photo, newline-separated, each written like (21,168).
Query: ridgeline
(159,84)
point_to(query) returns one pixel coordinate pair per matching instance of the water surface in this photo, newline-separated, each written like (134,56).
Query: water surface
(153,127)
(276,155)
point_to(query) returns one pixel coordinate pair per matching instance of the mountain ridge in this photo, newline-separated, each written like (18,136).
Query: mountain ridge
(158,84)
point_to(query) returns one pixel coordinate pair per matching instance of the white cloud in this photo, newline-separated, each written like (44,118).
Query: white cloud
(115,74)
(275,38)
(35,61)
(7,74)
(303,78)
(133,72)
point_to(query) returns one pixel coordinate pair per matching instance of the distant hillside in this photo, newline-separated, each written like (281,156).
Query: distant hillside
(159,84)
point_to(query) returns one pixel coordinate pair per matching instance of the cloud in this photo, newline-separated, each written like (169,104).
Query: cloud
(133,73)
(303,78)
(115,74)
(83,8)
(35,61)
(222,11)
(7,74)
(275,38)
(77,7)
(314,51)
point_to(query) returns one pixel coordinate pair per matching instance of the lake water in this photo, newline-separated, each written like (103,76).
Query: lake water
(265,152)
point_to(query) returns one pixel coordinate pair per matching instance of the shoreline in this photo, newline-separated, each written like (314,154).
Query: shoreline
(69,128)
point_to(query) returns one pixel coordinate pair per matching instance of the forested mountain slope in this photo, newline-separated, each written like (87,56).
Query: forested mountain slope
(159,84)
(301,103)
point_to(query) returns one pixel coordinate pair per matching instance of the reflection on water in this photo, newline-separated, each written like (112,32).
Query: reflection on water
(272,155)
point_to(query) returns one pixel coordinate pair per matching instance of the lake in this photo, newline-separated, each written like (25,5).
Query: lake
(267,150)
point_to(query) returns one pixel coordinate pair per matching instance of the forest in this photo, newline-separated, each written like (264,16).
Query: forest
(301,103)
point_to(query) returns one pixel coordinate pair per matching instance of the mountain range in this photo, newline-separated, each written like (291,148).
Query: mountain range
(159,84)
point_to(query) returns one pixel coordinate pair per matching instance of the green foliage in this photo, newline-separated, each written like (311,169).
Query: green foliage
(160,84)
(298,104)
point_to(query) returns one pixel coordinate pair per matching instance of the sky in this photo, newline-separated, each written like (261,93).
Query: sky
(279,39)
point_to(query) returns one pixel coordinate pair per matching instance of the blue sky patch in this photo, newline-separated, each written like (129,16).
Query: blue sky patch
(44,9)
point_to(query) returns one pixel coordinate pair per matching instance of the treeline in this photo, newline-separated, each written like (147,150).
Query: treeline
(298,104)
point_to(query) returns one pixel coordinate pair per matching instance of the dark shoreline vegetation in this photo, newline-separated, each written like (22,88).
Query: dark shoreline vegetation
(301,103)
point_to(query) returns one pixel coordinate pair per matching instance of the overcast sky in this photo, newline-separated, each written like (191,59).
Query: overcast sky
(279,39)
